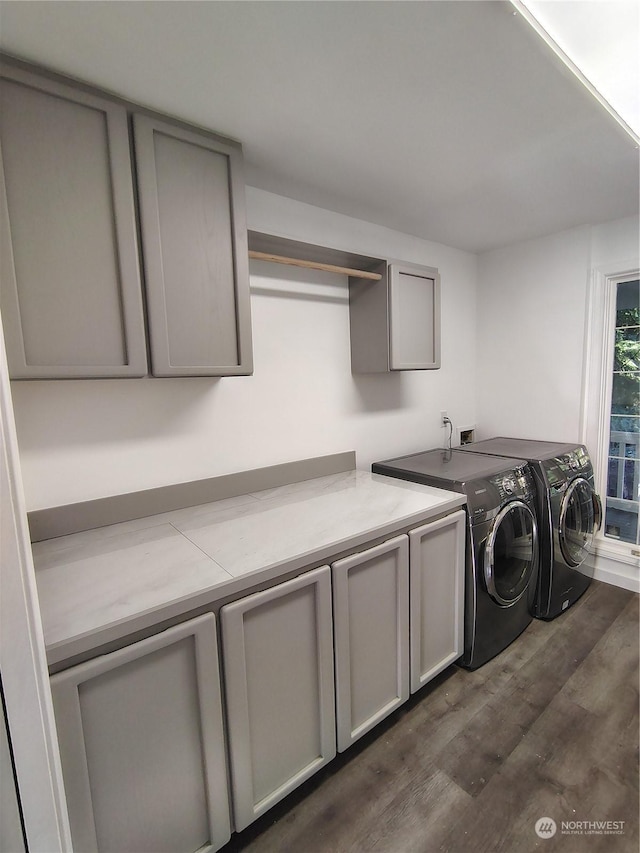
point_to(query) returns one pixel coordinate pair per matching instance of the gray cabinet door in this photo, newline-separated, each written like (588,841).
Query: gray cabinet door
(436,571)
(142,745)
(414,317)
(194,243)
(395,322)
(371,625)
(69,271)
(278,673)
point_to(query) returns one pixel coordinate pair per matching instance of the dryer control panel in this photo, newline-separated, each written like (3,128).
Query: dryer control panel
(485,497)
(562,469)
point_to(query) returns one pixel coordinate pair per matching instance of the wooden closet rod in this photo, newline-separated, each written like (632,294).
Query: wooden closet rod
(313,265)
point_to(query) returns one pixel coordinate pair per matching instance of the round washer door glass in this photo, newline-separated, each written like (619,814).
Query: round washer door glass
(511,553)
(577,521)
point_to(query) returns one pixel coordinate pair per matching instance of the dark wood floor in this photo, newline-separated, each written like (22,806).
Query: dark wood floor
(549,728)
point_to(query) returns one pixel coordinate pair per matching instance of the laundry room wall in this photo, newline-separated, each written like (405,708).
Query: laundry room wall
(532,304)
(86,439)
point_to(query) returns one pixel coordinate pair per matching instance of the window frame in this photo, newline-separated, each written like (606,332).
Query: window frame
(597,389)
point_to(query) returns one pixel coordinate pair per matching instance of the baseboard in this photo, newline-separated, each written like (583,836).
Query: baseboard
(615,572)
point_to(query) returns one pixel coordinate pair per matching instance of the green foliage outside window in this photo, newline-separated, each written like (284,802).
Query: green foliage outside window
(625,399)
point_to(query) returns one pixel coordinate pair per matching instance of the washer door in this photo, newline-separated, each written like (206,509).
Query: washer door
(580,517)
(511,553)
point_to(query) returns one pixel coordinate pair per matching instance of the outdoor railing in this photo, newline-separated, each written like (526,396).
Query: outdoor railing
(624,470)
(623,490)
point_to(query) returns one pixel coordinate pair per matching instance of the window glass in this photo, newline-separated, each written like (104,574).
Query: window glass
(623,480)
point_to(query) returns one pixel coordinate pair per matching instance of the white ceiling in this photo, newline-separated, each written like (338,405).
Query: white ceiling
(452,121)
(602,38)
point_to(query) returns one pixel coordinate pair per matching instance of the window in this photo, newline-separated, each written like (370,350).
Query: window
(611,416)
(623,469)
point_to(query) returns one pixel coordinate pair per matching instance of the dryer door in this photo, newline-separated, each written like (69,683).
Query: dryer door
(511,553)
(580,517)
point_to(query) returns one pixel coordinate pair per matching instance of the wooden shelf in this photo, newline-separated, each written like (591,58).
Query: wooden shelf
(313,265)
(283,250)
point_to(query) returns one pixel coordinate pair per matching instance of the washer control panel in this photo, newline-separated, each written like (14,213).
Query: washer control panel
(508,485)
(486,496)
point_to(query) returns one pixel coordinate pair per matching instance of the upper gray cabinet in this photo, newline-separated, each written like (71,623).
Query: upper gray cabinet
(194,244)
(414,317)
(395,323)
(394,307)
(69,273)
(71,290)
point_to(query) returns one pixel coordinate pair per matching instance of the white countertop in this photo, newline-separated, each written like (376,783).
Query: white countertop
(100,585)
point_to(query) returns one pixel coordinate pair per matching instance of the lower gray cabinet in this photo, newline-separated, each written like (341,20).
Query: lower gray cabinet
(278,670)
(371,624)
(141,730)
(142,745)
(437,562)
